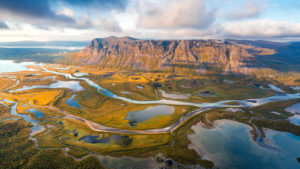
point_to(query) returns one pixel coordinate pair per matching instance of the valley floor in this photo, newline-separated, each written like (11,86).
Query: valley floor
(84,117)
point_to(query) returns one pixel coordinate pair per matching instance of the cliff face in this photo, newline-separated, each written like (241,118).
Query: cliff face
(168,55)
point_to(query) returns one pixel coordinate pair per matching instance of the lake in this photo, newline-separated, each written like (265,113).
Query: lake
(73,102)
(230,145)
(73,85)
(7,66)
(174,95)
(145,114)
(36,112)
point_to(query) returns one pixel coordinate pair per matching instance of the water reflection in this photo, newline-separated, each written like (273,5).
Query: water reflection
(36,112)
(230,145)
(294,109)
(73,102)
(11,66)
(73,85)
(35,126)
(174,95)
(145,114)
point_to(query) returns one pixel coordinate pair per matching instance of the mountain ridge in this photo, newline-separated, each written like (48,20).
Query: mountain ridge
(178,56)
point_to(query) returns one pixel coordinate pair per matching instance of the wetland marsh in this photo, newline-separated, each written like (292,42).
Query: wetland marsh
(83,113)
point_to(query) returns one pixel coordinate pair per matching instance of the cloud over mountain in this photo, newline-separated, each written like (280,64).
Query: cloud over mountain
(172,19)
(249,9)
(261,28)
(177,14)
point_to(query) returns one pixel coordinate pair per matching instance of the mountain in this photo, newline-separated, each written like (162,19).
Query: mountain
(47,43)
(182,56)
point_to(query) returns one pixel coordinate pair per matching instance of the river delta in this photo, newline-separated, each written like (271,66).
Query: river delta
(153,119)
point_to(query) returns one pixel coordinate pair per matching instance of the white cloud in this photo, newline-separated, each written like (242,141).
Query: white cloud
(3,25)
(107,24)
(154,19)
(175,14)
(250,9)
(261,28)
(83,22)
(67,12)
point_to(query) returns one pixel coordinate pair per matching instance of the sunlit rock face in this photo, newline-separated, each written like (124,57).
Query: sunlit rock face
(170,55)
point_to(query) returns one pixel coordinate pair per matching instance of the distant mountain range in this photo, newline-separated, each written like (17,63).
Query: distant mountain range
(48,43)
(188,56)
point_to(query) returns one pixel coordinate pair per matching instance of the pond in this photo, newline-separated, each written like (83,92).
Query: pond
(140,86)
(174,95)
(36,128)
(243,103)
(80,74)
(145,114)
(36,112)
(73,85)
(294,109)
(295,119)
(230,145)
(73,102)
(234,110)
(10,66)
(94,139)
(118,139)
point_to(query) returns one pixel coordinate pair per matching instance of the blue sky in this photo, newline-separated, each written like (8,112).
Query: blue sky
(45,20)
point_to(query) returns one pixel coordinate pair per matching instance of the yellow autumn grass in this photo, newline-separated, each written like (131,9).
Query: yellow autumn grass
(39,97)
(138,140)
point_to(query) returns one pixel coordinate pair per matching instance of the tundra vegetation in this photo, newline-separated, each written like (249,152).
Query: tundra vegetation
(71,143)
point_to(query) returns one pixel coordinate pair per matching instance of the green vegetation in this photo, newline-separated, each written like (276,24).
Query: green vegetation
(204,88)
(111,112)
(282,125)
(62,143)
(278,106)
(69,126)
(77,152)
(17,151)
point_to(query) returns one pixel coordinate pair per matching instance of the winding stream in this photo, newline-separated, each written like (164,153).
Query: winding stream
(36,128)
(202,106)
(217,145)
(223,103)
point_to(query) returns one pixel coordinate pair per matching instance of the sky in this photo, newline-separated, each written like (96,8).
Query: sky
(82,20)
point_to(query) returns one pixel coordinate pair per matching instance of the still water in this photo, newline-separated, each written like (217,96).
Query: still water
(145,114)
(73,102)
(230,145)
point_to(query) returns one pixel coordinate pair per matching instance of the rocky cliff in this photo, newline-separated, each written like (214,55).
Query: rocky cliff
(169,55)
